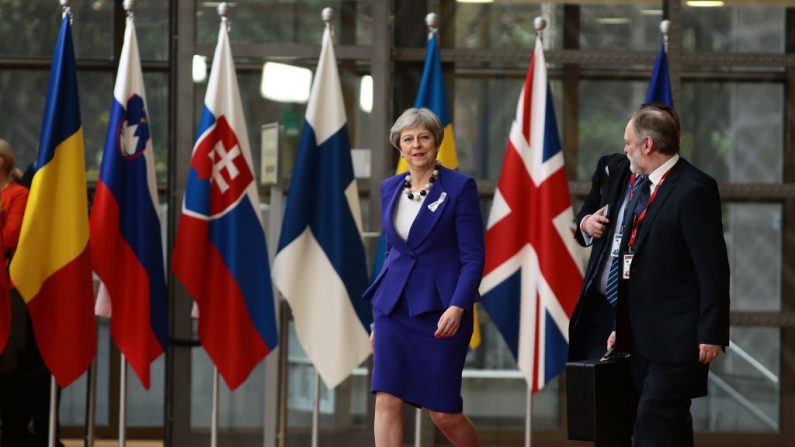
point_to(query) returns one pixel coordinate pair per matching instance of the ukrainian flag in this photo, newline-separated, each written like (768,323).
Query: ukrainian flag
(51,267)
(433,95)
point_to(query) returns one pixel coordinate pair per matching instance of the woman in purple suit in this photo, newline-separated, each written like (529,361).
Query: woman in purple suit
(423,297)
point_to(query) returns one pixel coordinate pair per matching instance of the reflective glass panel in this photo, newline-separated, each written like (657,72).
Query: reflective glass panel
(621,27)
(734,131)
(754,240)
(745,28)
(30,29)
(744,385)
(151,25)
(298,21)
(506,25)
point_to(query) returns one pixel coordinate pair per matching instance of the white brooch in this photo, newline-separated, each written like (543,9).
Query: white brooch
(438,202)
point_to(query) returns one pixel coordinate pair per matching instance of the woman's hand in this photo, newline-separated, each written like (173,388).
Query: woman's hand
(372,340)
(449,322)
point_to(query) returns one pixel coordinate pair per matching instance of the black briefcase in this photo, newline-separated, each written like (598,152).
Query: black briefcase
(600,399)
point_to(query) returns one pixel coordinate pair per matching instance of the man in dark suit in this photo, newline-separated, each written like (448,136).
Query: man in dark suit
(673,296)
(599,221)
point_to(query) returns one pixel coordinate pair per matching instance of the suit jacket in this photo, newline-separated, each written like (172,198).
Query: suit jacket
(608,186)
(441,262)
(677,296)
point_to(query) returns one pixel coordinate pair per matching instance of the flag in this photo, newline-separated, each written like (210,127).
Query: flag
(433,95)
(533,273)
(320,263)
(220,254)
(126,246)
(660,84)
(51,268)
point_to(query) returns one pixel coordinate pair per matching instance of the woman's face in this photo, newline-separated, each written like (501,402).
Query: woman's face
(418,147)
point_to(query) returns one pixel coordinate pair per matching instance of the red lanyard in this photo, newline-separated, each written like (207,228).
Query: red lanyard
(639,219)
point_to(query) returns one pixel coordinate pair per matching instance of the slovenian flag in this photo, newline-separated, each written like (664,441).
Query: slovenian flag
(51,268)
(320,264)
(126,246)
(220,254)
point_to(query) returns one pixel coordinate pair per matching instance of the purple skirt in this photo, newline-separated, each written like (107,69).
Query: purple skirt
(408,362)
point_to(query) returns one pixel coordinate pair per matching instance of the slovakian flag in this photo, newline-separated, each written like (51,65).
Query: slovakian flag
(51,267)
(660,84)
(220,254)
(432,95)
(126,245)
(533,271)
(320,263)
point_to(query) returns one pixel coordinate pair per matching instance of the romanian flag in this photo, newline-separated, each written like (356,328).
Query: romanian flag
(51,266)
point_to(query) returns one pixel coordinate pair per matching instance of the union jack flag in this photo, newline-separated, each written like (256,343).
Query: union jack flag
(533,271)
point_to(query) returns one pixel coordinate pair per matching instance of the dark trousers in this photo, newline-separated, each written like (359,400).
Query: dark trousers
(663,418)
(24,385)
(591,335)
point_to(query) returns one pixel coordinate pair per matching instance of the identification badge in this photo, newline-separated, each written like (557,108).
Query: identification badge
(616,245)
(627,264)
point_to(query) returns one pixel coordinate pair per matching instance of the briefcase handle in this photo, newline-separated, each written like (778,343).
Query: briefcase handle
(612,354)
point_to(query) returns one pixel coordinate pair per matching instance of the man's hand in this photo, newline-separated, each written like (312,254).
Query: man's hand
(611,340)
(595,224)
(708,353)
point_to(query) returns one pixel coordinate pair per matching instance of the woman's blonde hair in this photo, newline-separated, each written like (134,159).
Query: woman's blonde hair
(7,154)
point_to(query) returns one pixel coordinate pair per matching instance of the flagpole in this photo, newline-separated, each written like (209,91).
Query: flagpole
(123,401)
(91,404)
(316,411)
(528,433)
(214,411)
(53,412)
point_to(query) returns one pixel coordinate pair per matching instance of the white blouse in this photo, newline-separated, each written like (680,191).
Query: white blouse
(405,213)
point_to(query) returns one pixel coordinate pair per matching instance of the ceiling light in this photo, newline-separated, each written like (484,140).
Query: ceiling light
(199,68)
(705,3)
(612,21)
(366,94)
(285,83)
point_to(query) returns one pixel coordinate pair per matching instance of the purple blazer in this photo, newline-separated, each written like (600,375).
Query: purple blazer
(441,263)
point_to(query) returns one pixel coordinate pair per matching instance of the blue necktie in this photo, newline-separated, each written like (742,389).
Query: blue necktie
(641,199)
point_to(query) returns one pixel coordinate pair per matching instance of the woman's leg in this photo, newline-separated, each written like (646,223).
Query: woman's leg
(457,428)
(388,420)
